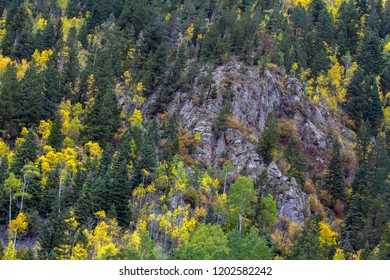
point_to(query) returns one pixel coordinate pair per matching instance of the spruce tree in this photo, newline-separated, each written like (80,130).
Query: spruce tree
(370,58)
(27,151)
(375,113)
(269,139)
(103,120)
(56,137)
(307,245)
(333,181)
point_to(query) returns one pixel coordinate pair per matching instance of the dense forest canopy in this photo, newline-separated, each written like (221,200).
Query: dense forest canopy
(94,164)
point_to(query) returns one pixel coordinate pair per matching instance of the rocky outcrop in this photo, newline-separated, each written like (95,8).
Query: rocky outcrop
(291,200)
(253,96)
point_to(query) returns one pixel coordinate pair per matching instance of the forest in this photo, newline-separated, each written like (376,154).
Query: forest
(100,158)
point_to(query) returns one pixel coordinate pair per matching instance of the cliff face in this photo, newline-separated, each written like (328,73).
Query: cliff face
(253,97)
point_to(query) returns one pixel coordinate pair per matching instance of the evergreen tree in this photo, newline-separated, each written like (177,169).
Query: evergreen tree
(375,113)
(269,140)
(120,190)
(56,137)
(8,87)
(86,205)
(103,120)
(370,59)
(358,97)
(27,151)
(307,245)
(333,181)
(347,28)
(171,146)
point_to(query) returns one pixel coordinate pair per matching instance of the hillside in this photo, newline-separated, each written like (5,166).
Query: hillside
(135,129)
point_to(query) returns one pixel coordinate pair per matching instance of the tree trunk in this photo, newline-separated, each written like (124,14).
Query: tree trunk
(10,205)
(240,221)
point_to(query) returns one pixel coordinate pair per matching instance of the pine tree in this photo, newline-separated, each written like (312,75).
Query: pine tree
(375,113)
(103,120)
(120,190)
(333,181)
(27,151)
(8,87)
(86,205)
(307,245)
(370,59)
(56,137)
(358,97)
(269,140)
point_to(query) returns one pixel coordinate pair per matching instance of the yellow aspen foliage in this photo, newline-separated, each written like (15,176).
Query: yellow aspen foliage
(40,58)
(294,67)
(136,119)
(18,226)
(4,61)
(79,252)
(68,23)
(200,213)
(137,97)
(71,124)
(339,255)
(239,12)
(63,4)
(19,141)
(180,178)
(70,157)
(200,36)
(336,76)
(139,192)
(94,150)
(10,252)
(131,53)
(21,69)
(140,87)
(386,47)
(101,240)
(198,136)
(387,116)
(327,235)
(3,23)
(190,32)
(101,214)
(91,89)
(3,148)
(40,24)
(51,159)
(356,256)
(127,78)
(315,204)
(44,129)
(24,131)
(162,179)
(151,188)
(208,184)
(71,221)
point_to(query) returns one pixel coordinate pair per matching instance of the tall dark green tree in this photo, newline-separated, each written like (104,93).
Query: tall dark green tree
(370,58)
(375,113)
(56,137)
(103,120)
(333,181)
(269,140)
(26,152)
(8,87)
(307,245)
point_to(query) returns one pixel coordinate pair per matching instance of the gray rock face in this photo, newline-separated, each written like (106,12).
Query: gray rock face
(291,201)
(254,97)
